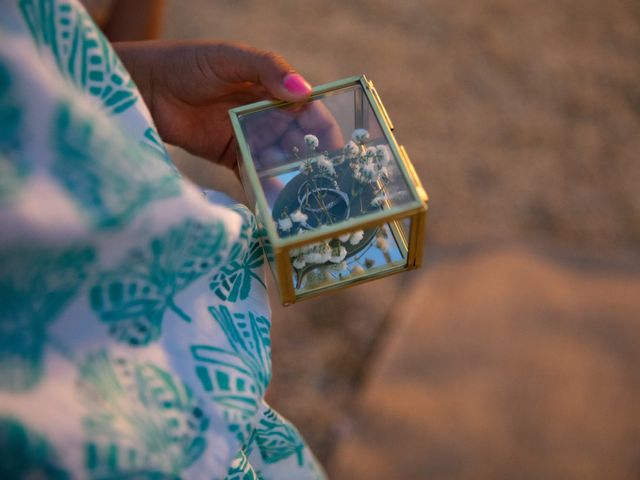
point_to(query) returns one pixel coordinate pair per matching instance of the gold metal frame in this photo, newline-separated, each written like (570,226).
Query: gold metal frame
(415,210)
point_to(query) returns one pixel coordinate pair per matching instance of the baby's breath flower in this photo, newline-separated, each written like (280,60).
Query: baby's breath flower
(339,267)
(382,244)
(318,253)
(299,263)
(311,141)
(351,150)
(344,238)
(298,216)
(368,172)
(325,165)
(316,257)
(383,155)
(285,224)
(356,237)
(357,270)
(338,254)
(360,135)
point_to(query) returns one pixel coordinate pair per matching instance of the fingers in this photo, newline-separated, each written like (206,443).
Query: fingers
(238,63)
(317,119)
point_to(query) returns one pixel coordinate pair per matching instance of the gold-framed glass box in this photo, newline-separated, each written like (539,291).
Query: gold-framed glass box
(337,198)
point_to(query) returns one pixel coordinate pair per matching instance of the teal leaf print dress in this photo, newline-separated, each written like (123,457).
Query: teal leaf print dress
(134,321)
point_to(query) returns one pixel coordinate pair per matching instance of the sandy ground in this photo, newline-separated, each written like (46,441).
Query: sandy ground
(523,120)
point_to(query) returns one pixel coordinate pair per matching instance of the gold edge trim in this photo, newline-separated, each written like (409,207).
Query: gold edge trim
(383,110)
(315,92)
(285,279)
(422,193)
(413,239)
(398,235)
(393,143)
(419,248)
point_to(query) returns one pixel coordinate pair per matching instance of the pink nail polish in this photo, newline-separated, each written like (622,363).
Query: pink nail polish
(295,84)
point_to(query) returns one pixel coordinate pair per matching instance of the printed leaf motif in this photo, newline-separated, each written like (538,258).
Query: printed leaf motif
(144,423)
(26,454)
(13,166)
(233,281)
(248,335)
(81,52)
(236,379)
(133,298)
(241,469)
(10,114)
(277,439)
(154,144)
(35,287)
(109,177)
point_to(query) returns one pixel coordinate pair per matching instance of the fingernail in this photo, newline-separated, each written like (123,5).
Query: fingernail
(294,83)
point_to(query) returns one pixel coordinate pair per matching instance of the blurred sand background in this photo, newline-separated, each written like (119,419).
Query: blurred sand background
(515,351)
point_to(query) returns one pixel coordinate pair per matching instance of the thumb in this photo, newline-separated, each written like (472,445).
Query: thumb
(245,64)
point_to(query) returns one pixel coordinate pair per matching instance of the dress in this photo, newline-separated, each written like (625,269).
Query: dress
(134,321)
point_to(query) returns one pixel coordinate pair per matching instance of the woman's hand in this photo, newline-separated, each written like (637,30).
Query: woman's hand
(190,86)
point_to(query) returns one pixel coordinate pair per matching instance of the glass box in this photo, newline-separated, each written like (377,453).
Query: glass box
(335,195)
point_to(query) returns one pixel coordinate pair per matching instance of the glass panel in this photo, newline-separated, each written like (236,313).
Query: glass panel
(351,257)
(324,162)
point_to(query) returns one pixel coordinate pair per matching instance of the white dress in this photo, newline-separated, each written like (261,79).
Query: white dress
(134,321)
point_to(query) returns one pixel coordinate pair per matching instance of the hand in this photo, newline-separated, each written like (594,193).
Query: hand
(190,86)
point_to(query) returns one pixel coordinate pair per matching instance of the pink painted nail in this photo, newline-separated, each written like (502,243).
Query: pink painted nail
(297,85)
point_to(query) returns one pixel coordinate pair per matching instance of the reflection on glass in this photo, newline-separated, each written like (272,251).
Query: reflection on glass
(353,255)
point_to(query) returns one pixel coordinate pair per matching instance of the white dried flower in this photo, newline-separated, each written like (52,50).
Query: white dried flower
(360,135)
(316,257)
(299,263)
(325,165)
(356,237)
(382,244)
(344,238)
(311,141)
(338,159)
(318,253)
(338,254)
(285,224)
(311,247)
(351,150)
(369,172)
(338,267)
(357,270)
(298,216)
(383,155)
(317,277)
